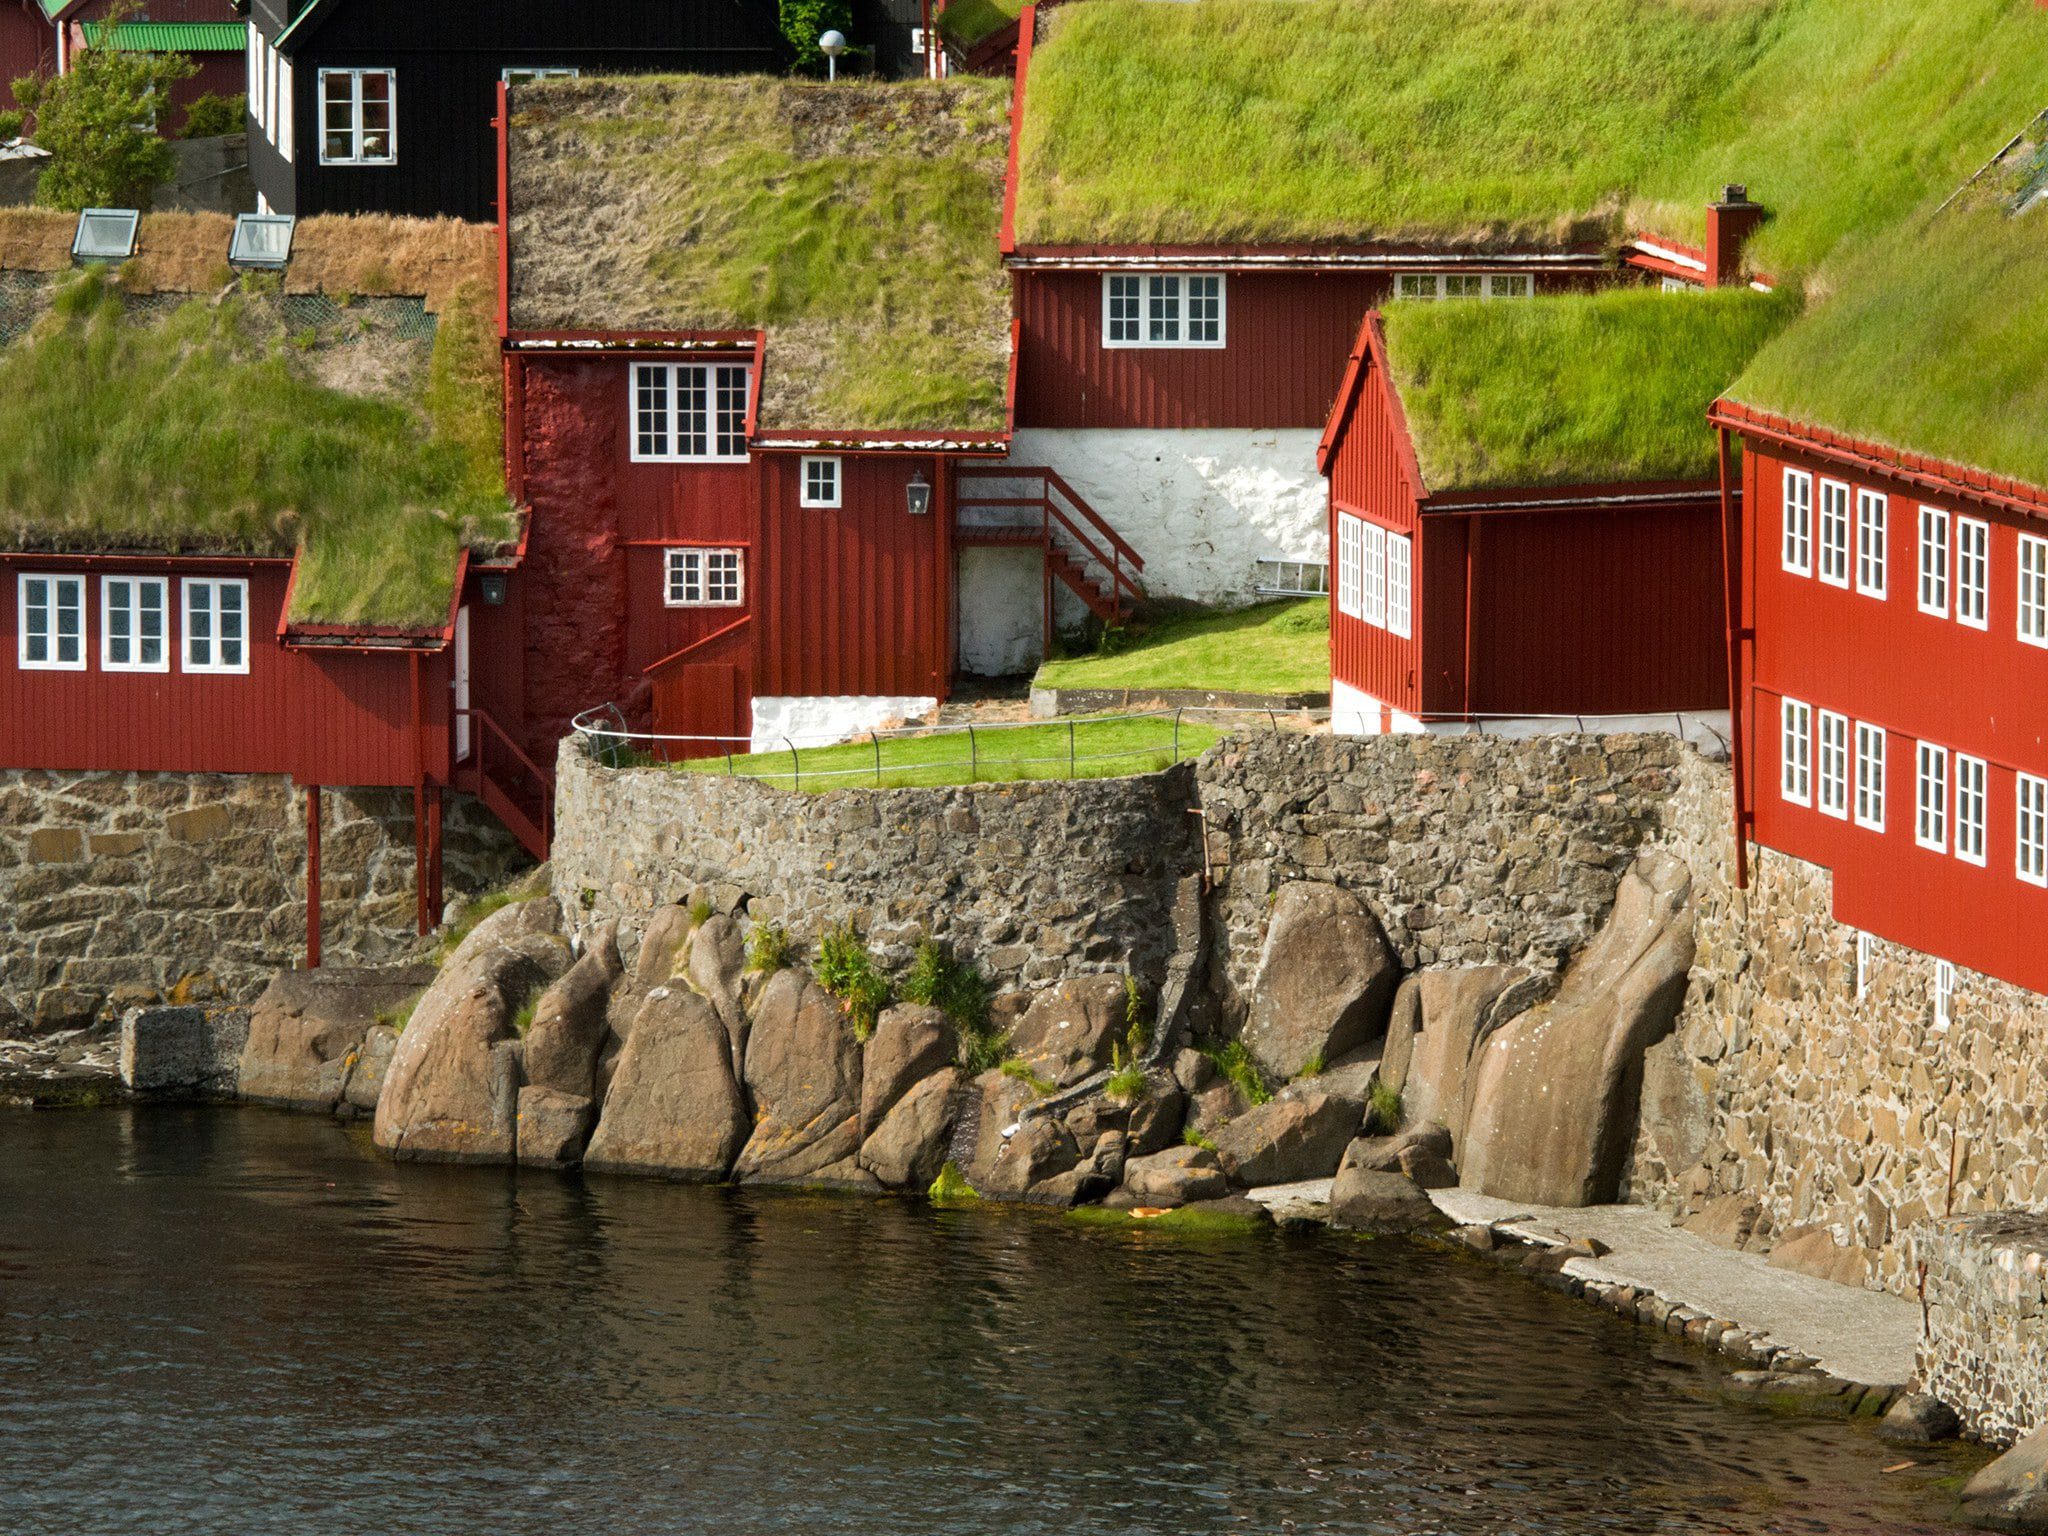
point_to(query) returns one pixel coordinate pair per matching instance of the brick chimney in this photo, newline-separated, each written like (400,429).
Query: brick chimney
(1730,222)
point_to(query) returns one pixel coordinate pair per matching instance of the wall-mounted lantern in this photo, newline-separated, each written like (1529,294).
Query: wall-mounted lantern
(492,590)
(918,495)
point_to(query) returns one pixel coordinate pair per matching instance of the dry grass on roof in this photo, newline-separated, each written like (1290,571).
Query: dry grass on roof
(856,223)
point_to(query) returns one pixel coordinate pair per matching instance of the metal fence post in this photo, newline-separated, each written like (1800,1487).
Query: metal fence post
(1176,731)
(876,738)
(973,756)
(1072,767)
(795,764)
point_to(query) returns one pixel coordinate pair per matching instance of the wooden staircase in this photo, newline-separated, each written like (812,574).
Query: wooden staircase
(1082,551)
(512,786)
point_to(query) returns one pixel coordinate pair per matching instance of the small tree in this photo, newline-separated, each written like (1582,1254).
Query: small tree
(96,121)
(805,21)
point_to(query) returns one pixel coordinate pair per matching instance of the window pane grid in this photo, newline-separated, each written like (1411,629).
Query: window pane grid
(1399,565)
(1934,561)
(1163,309)
(52,623)
(1973,572)
(705,578)
(1834,764)
(690,411)
(216,625)
(1870,777)
(2031,853)
(1375,575)
(1798,545)
(1872,511)
(1930,823)
(1350,566)
(1971,774)
(1834,533)
(1795,754)
(2033,593)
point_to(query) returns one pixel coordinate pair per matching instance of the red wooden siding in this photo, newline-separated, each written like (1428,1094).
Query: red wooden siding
(1920,678)
(326,717)
(28,46)
(1369,477)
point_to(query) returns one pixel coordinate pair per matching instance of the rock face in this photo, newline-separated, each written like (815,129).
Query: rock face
(1439,1020)
(2012,1493)
(1300,1135)
(1324,982)
(907,1148)
(373,1062)
(909,1044)
(1420,1154)
(1014,1152)
(307,1032)
(569,1022)
(1553,1094)
(674,1106)
(1919,1419)
(1814,1251)
(717,961)
(1365,1201)
(803,1075)
(1177,1176)
(552,1127)
(451,1091)
(1067,1032)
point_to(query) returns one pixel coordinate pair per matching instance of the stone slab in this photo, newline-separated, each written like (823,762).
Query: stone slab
(1308,1200)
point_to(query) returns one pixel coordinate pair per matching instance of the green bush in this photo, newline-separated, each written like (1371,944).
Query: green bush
(1127,1083)
(1383,1112)
(847,971)
(94,119)
(12,123)
(1016,1067)
(213,116)
(767,948)
(805,21)
(958,990)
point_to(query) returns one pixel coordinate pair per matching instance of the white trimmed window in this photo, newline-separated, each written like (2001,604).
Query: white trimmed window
(2030,859)
(1162,309)
(1795,752)
(1944,993)
(705,578)
(1464,285)
(820,483)
(358,117)
(690,413)
(1798,546)
(1350,566)
(1872,519)
(1863,965)
(1934,561)
(1400,584)
(1374,610)
(1972,777)
(2033,605)
(51,623)
(1834,533)
(134,624)
(1973,573)
(216,624)
(1930,797)
(1834,764)
(1870,776)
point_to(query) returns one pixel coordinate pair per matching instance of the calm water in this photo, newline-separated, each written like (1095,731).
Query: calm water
(242,1322)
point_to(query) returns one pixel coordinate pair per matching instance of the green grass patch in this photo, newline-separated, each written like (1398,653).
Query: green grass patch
(468,917)
(1279,647)
(1126,1085)
(1575,389)
(1020,1070)
(207,431)
(1234,1061)
(856,223)
(767,948)
(966,22)
(1935,342)
(1383,1108)
(1190,1137)
(1101,747)
(1183,1221)
(958,989)
(522,1020)
(396,1018)
(846,970)
(951,1187)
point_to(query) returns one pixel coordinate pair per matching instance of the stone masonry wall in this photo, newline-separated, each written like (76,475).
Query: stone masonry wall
(1854,1114)
(1985,1352)
(118,890)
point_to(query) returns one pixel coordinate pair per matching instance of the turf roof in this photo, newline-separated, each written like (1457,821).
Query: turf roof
(1575,389)
(1934,341)
(855,223)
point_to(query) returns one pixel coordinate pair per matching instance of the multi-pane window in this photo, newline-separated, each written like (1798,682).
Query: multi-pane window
(134,624)
(1973,572)
(1350,566)
(51,623)
(1375,575)
(1930,797)
(1934,561)
(690,411)
(1971,775)
(820,482)
(1872,515)
(358,117)
(2033,605)
(1463,285)
(1400,574)
(1797,553)
(2030,859)
(1162,309)
(705,578)
(1834,533)
(526,76)
(216,625)
(1795,752)
(1870,776)
(1374,609)
(1863,965)
(1944,993)
(1834,764)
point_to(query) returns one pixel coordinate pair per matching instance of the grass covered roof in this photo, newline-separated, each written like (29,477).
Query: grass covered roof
(1934,341)
(1575,389)
(856,223)
(1489,121)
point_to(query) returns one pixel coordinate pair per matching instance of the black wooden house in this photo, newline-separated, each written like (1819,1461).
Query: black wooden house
(386,106)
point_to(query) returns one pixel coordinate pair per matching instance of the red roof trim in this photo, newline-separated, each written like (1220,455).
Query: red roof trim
(1584,253)
(1404,440)
(627,341)
(1347,399)
(1027,36)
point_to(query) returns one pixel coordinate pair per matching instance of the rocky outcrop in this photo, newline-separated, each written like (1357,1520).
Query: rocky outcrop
(1814,1251)
(910,1043)
(1553,1093)
(803,1075)
(553,1126)
(1015,1152)
(1324,982)
(1178,1176)
(1067,1032)
(569,1020)
(907,1148)
(2012,1493)
(1439,1020)
(1363,1200)
(308,1029)
(1300,1135)
(717,962)
(674,1106)
(373,1062)
(1421,1154)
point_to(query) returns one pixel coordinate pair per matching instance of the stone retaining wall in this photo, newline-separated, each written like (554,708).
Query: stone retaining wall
(122,890)
(1985,1352)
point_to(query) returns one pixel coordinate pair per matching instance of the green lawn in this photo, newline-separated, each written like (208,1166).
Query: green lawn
(1280,647)
(1579,388)
(1085,747)
(967,22)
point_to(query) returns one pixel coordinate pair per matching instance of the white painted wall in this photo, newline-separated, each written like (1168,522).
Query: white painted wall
(1002,611)
(1201,507)
(1354,712)
(821,721)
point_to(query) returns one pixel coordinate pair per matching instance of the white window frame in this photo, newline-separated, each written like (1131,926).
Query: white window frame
(1374,608)
(1164,316)
(1870,776)
(1933,566)
(54,608)
(1972,799)
(2030,840)
(1930,796)
(1873,523)
(1864,956)
(2032,623)
(1834,533)
(1832,784)
(134,585)
(1795,752)
(1350,566)
(806,497)
(722,422)
(1795,551)
(1400,585)
(517,74)
(1973,572)
(678,562)
(1944,994)
(214,586)
(356,131)
(1430,286)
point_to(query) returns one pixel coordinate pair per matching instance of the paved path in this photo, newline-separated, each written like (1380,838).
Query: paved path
(1863,1336)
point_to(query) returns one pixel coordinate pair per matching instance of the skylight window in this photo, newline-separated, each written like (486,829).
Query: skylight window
(105,234)
(262,241)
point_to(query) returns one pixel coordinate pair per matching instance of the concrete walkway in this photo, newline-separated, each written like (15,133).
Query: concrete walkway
(1861,1336)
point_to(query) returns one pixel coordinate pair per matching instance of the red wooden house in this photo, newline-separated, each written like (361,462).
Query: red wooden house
(1524,512)
(28,45)
(211,33)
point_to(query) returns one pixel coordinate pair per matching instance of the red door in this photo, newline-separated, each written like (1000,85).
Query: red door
(708,702)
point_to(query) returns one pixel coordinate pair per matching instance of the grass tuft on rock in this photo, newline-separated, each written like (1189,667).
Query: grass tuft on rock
(1383,1108)
(1020,1070)
(846,970)
(767,948)
(951,1187)
(1235,1062)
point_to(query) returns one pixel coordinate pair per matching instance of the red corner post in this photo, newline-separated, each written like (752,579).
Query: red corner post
(312,877)
(1732,602)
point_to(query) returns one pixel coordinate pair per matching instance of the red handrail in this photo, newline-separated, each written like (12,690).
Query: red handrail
(540,775)
(1050,480)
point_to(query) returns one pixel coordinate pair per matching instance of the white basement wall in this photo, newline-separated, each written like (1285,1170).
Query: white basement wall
(1002,611)
(819,721)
